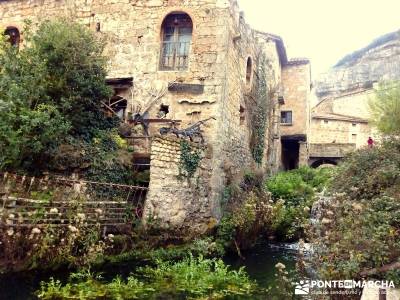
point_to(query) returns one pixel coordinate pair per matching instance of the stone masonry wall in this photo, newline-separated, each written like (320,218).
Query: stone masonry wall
(331,150)
(346,122)
(338,131)
(296,82)
(173,202)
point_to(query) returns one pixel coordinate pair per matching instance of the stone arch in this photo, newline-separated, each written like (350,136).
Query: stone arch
(176,39)
(323,161)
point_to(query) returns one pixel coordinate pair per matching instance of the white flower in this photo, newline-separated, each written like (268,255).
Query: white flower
(54,210)
(280,266)
(10,232)
(11,216)
(36,231)
(72,228)
(81,216)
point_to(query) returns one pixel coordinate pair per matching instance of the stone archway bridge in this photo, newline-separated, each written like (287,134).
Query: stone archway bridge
(328,153)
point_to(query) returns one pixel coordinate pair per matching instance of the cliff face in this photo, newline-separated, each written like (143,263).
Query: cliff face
(360,70)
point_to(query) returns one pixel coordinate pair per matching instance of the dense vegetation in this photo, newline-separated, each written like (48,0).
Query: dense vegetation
(359,234)
(51,95)
(194,278)
(294,193)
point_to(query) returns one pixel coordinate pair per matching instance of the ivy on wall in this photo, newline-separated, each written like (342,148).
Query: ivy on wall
(260,115)
(189,161)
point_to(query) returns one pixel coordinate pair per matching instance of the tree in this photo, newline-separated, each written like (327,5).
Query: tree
(50,89)
(385,108)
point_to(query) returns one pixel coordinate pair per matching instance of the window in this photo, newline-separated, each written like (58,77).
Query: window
(14,36)
(286,117)
(176,38)
(249,71)
(354,138)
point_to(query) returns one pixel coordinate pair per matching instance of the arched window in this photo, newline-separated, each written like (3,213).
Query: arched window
(14,36)
(176,37)
(249,70)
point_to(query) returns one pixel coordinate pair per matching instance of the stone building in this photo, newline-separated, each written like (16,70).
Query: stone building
(343,119)
(295,113)
(340,125)
(174,63)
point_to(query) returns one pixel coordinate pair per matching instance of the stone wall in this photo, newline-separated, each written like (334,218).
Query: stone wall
(343,120)
(340,131)
(296,79)
(177,202)
(331,150)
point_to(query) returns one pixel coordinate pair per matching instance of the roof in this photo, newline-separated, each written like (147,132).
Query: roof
(338,117)
(298,61)
(280,46)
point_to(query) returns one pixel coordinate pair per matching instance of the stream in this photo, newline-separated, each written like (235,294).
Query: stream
(259,263)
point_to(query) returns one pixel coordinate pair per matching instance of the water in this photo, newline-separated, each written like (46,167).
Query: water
(22,286)
(259,263)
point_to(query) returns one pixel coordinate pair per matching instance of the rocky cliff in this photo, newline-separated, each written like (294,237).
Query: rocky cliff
(380,60)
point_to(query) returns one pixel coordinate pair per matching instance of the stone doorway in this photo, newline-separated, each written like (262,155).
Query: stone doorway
(290,154)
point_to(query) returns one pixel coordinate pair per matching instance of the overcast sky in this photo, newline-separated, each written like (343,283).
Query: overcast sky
(323,30)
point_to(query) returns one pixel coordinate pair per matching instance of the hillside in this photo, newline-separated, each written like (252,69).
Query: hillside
(380,60)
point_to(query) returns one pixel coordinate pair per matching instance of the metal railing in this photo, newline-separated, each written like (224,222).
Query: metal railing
(30,201)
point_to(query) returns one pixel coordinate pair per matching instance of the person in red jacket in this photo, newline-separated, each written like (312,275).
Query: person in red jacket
(370,142)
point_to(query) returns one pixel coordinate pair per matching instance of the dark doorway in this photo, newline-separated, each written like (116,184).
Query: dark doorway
(290,154)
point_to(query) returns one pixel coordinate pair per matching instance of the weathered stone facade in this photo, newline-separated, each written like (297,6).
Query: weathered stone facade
(295,131)
(220,80)
(343,119)
(183,199)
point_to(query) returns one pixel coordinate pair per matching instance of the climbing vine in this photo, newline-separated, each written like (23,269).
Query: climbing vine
(190,160)
(260,116)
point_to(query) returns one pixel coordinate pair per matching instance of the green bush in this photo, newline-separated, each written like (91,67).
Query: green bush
(370,171)
(193,278)
(360,228)
(293,193)
(50,89)
(297,185)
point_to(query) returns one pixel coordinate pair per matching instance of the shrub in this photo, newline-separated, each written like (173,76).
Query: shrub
(293,193)
(359,231)
(246,218)
(297,185)
(50,89)
(194,278)
(369,172)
